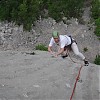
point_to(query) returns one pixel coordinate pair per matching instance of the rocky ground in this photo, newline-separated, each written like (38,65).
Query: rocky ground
(43,77)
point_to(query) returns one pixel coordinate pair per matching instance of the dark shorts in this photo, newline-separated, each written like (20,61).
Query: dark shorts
(69,46)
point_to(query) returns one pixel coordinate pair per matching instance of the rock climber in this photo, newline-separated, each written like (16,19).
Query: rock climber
(66,43)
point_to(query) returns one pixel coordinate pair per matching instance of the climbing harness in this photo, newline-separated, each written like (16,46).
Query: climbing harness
(69,46)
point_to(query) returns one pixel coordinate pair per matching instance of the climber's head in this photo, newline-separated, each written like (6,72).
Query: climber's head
(55,35)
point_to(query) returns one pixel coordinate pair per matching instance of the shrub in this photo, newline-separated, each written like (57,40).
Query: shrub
(97,31)
(20,11)
(64,8)
(41,47)
(26,12)
(95,9)
(85,49)
(97,22)
(97,60)
(96,15)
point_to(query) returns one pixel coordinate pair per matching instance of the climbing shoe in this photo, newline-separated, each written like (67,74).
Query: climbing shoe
(64,56)
(86,62)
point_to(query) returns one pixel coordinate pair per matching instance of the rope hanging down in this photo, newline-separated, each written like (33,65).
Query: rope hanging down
(77,78)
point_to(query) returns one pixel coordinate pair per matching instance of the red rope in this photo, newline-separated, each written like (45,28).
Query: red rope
(77,78)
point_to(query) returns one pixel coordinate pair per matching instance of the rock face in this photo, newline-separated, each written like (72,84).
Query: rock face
(13,37)
(43,77)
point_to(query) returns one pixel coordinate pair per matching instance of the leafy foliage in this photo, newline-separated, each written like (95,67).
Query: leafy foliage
(85,49)
(97,60)
(27,11)
(97,22)
(95,9)
(21,11)
(64,8)
(96,15)
(97,29)
(41,47)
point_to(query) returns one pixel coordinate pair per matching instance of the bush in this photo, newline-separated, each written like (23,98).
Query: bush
(97,60)
(97,22)
(41,47)
(97,29)
(20,11)
(27,11)
(96,15)
(85,49)
(64,8)
(95,9)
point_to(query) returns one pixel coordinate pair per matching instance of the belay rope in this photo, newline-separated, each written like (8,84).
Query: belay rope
(77,78)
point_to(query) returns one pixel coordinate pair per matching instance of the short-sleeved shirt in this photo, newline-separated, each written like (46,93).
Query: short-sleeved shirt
(64,40)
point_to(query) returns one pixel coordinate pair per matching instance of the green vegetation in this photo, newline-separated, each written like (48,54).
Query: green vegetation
(41,47)
(85,49)
(20,11)
(97,60)
(95,9)
(27,11)
(97,29)
(64,8)
(96,15)
(97,22)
